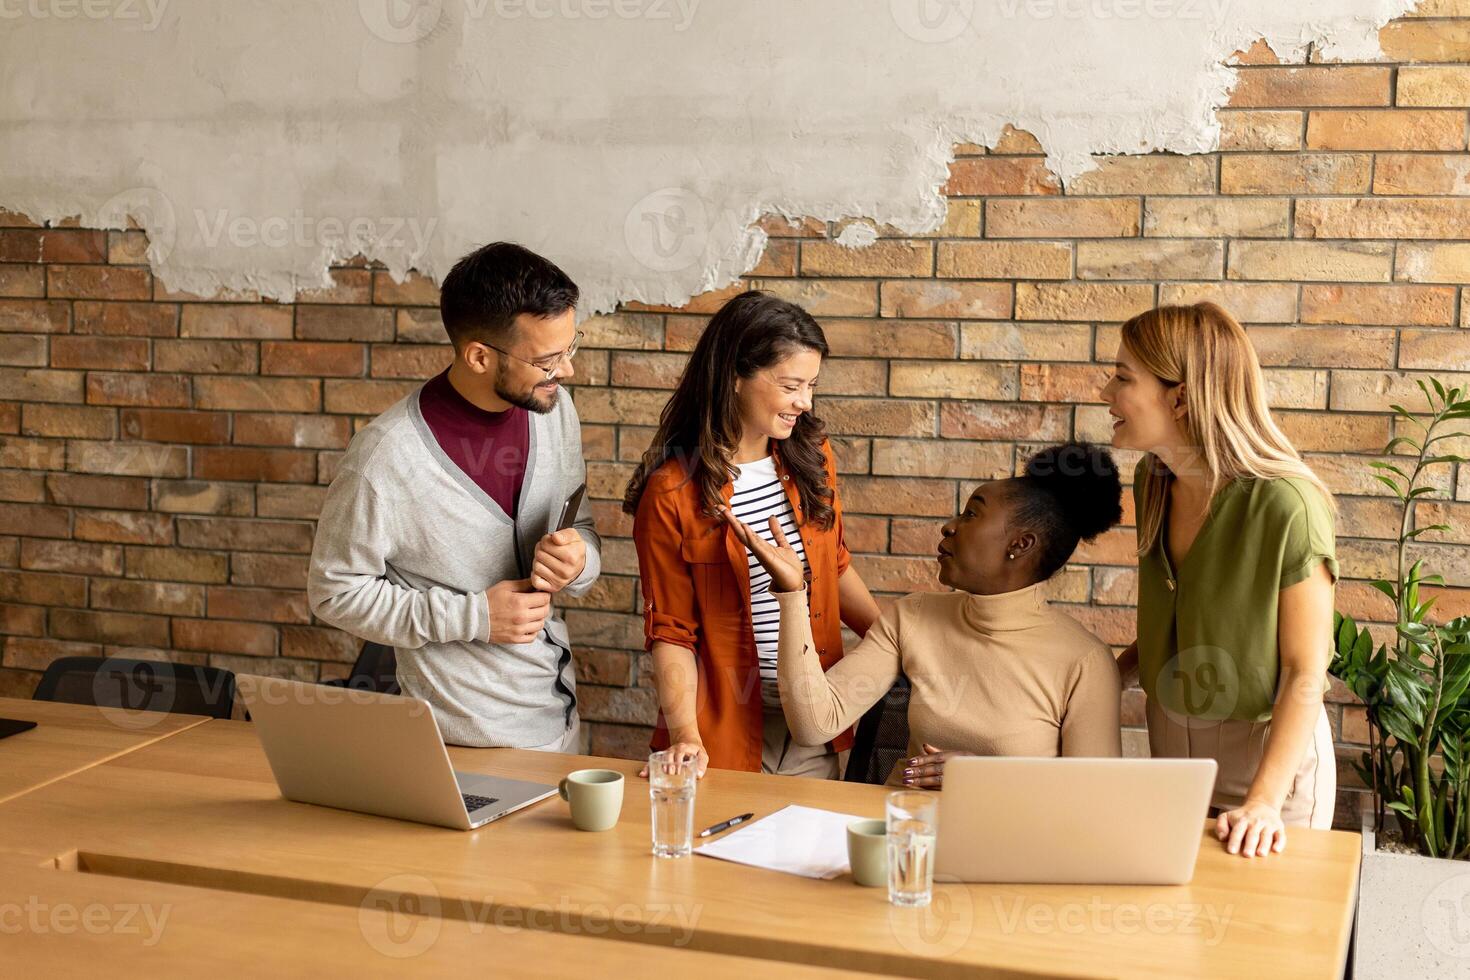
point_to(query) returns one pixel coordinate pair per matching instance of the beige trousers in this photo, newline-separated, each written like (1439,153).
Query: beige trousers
(782,756)
(1238,746)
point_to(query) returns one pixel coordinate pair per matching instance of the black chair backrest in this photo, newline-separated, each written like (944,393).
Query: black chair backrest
(139,685)
(882,737)
(376,669)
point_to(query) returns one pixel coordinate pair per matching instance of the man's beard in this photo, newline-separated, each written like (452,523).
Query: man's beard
(535,399)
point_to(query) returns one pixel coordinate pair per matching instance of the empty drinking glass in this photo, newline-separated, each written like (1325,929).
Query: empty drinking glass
(913,822)
(671,784)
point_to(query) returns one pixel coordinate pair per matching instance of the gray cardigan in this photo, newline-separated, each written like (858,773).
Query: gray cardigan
(405,548)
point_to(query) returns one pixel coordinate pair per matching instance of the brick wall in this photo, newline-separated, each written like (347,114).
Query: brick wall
(162,457)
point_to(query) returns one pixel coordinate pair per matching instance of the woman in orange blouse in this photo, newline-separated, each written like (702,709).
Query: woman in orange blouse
(739,432)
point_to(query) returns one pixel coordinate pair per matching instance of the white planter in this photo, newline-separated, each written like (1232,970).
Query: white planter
(1413,918)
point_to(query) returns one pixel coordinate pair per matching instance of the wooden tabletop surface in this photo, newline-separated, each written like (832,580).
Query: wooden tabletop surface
(201,809)
(70,737)
(56,924)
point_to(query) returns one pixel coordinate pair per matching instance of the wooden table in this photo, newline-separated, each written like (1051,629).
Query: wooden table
(201,809)
(70,737)
(55,925)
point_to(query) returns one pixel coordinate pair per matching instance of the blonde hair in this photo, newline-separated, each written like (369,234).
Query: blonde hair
(1227,419)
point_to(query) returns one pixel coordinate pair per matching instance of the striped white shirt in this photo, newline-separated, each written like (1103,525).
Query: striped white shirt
(758,495)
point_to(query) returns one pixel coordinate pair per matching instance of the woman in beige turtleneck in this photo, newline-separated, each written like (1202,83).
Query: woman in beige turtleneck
(993,669)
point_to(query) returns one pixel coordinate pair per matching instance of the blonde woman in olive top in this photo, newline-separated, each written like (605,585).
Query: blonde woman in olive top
(1236,572)
(993,668)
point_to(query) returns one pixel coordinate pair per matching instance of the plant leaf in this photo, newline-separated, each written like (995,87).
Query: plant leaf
(1443,435)
(1379,465)
(1401,410)
(1390,484)
(1387,590)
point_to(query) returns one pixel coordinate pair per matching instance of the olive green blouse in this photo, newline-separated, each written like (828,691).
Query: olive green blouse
(1207,645)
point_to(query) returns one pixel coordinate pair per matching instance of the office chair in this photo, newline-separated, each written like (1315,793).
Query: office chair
(139,685)
(882,737)
(375,670)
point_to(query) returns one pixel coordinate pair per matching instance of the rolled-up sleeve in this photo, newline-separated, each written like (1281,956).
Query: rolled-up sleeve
(1308,537)
(670,613)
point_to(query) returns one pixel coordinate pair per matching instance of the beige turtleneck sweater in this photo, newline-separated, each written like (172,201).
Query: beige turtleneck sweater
(990,674)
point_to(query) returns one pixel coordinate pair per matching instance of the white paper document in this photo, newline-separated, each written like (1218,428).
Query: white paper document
(798,840)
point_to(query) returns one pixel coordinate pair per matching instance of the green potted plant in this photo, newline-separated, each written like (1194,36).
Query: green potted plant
(1418,712)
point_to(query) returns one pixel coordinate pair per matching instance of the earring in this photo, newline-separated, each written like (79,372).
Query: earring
(1011,556)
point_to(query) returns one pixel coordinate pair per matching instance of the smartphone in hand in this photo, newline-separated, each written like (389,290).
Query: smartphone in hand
(571,508)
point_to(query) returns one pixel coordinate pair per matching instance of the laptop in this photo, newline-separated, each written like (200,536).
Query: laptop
(373,753)
(1072,820)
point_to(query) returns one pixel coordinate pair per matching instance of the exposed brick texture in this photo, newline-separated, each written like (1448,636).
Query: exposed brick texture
(163,457)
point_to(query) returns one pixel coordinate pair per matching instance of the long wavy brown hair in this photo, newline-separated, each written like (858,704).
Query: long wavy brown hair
(700,426)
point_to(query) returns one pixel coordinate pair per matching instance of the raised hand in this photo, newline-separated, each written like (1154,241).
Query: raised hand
(780,561)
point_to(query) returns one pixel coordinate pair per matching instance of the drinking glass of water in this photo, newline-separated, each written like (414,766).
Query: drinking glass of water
(671,788)
(913,822)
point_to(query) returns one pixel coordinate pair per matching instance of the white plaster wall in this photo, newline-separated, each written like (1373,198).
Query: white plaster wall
(633,141)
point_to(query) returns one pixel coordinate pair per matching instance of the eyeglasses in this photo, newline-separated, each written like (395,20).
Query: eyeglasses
(539,364)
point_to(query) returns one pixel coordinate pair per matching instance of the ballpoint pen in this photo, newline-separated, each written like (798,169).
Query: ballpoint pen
(725,825)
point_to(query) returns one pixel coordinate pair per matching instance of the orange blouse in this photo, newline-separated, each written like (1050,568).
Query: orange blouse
(696,594)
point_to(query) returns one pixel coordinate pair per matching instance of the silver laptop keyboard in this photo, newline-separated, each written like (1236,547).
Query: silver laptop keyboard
(473,802)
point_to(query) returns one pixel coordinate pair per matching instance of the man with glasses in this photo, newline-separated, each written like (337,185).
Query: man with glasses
(438,535)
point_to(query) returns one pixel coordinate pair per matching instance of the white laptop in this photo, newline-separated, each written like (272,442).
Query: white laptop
(1072,820)
(373,753)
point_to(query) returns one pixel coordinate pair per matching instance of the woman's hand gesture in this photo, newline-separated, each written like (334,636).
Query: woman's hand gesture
(927,771)
(780,561)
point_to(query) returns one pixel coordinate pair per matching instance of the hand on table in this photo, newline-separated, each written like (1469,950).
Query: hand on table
(1252,830)
(927,771)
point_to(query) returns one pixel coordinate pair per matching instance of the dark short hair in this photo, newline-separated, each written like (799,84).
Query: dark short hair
(488,288)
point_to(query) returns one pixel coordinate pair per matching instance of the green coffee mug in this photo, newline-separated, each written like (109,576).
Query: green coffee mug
(867,852)
(596,797)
